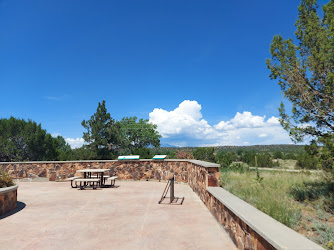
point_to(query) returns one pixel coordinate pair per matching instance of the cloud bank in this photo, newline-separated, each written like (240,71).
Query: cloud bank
(75,143)
(185,126)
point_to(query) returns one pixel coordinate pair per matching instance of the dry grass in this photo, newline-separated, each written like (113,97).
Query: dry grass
(287,164)
(300,201)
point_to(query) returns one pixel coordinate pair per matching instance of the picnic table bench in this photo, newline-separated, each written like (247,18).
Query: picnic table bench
(72,179)
(84,182)
(112,180)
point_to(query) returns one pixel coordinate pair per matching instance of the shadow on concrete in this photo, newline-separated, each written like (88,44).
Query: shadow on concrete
(99,188)
(176,201)
(110,186)
(19,206)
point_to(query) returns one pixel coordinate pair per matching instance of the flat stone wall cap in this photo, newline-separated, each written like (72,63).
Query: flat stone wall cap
(205,164)
(97,170)
(44,162)
(274,232)
(197,162)
(6,189)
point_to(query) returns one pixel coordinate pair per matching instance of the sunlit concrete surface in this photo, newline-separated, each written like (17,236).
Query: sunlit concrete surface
(128,216)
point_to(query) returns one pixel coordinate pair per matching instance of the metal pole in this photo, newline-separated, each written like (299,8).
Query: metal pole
(171,189)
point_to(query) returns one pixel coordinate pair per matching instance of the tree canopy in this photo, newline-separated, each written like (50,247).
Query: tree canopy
(108,137)
(138,134)
(305,73)
(204,154)
(22,140)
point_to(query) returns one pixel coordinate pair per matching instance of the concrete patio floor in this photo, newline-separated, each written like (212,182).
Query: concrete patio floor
(56,216)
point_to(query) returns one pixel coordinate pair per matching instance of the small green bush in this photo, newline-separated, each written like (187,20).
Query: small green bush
(301,193)
(314,190)
(5,180)
(306,161)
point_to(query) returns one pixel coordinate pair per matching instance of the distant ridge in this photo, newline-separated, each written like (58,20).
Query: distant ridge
(166,145)
(285,148)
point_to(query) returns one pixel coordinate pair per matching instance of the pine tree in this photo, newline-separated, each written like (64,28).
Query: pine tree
(306,76)
(102,134)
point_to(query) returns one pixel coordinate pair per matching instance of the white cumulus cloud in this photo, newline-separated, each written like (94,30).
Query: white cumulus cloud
(185,119)
(185,126)
(247,120)
(273,121)
(75,143)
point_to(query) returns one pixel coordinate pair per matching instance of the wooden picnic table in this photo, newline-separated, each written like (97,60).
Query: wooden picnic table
(88,173)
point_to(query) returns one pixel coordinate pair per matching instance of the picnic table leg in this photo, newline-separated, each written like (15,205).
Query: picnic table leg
(101,179)
(72,184)
(81,186)
(85,176)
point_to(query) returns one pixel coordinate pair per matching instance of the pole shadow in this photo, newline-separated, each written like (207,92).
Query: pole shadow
(176,201)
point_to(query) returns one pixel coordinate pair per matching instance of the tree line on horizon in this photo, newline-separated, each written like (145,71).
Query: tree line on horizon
(105,139)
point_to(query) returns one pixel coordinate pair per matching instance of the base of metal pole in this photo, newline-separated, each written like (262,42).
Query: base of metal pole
(172,198)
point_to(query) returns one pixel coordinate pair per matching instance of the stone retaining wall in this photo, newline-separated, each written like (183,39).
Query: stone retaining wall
(8,199)
(249,228)
(198,174)
(243,236)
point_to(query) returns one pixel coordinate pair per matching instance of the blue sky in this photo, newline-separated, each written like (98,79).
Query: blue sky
(195,68)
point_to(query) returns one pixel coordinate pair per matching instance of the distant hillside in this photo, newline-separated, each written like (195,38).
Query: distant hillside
(285,148)
(166,145)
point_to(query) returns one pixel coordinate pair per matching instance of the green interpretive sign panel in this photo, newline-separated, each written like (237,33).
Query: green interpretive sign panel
(128,157)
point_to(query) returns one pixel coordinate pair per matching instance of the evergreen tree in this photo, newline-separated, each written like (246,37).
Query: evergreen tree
(103,135)
(22,140)
(224,158)
(205,154)
(63,148)
(306,75)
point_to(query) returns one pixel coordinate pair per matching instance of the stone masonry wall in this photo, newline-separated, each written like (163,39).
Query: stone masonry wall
(8,199)
(184,171)
(241,234)
(193,172)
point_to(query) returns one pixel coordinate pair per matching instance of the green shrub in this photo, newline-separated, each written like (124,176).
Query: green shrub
(306,161)
(278,155)
(204,154)
(301,193)
(5,180)
(144,153)
(224,158)
(314,190)
(265,161)
(289,156)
